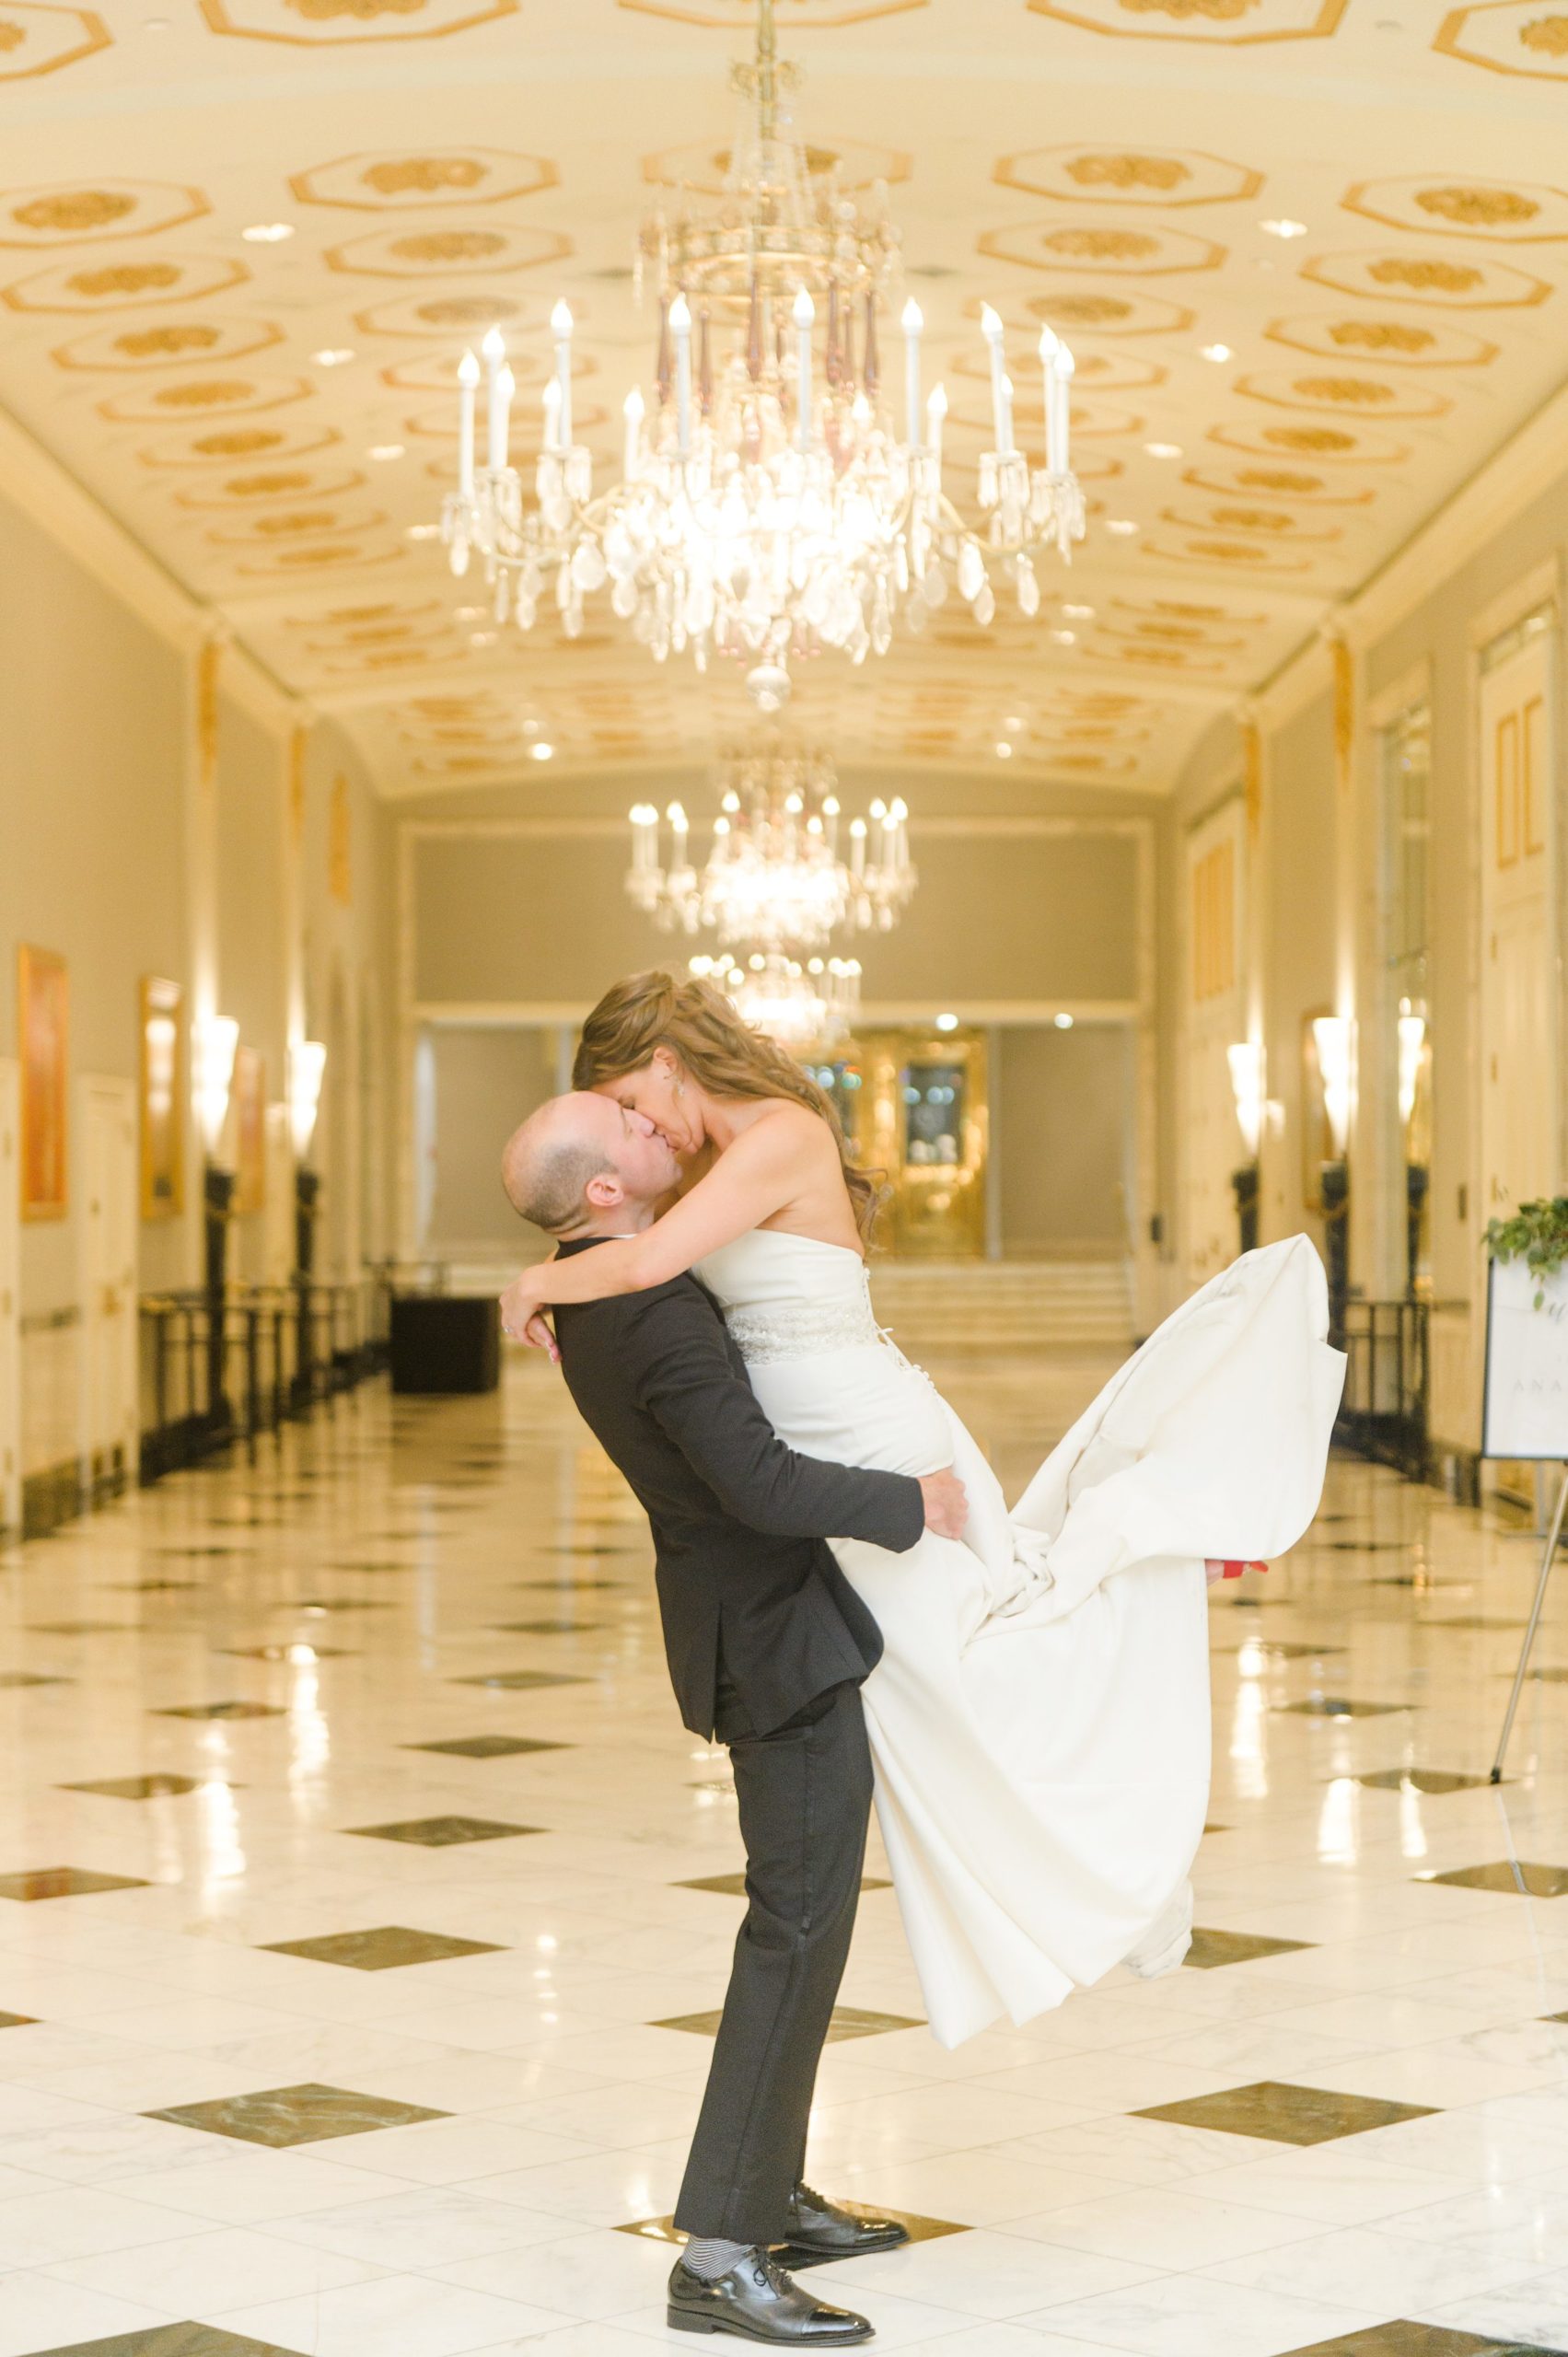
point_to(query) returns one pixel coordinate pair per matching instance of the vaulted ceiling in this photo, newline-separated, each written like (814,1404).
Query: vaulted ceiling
(1267,416)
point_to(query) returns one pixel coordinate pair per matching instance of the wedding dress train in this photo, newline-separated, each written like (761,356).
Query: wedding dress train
(1039,1718)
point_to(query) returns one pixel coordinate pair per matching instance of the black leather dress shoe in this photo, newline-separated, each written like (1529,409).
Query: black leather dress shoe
(821,2230)
(757,2301)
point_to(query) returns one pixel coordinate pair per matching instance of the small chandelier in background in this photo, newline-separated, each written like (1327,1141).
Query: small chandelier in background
(775,879)
(768,508)
(804,1004)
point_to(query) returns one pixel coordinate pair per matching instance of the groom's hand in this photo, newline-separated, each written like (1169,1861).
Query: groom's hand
(946,1504)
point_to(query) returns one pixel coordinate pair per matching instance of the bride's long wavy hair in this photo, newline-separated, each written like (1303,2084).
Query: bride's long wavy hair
(696,1022)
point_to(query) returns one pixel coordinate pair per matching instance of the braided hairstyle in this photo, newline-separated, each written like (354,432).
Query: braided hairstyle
(697,1023)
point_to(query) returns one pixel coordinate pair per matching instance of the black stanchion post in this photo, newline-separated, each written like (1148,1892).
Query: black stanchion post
(217,1195)
(307,1196)
(1334,1194)
(1244,1185)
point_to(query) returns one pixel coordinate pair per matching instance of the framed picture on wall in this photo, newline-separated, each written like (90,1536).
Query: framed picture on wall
(161,1031)
(248,1098)
(43,1035)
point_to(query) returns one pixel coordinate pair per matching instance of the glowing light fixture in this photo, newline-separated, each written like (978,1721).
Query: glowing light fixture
(1245,1062)
(215,1042)
(307,1065)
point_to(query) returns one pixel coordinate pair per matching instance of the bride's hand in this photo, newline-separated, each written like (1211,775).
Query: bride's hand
(522,1316)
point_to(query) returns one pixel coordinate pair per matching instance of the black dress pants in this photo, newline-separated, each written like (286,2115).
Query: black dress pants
(804,1793)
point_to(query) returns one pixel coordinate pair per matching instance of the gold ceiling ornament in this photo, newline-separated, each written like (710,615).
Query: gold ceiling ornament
(1502,210)
(767,506)
(1097,311)
(1435,282)
(1519,36)
(175,339)
(1276,482)
(72,214)
(125,285)
(437,372)
(1401,343)
(1232,553)
(309,24)
(1363,396)
(200,396)
(1261,523)
(1144,252)
(1097,372)
(381,182)
(1229,21)
(428,316)
(222,446)
(857,165)
(242,494)
(1167,176)
(740,16)
(427,253)
(40,39)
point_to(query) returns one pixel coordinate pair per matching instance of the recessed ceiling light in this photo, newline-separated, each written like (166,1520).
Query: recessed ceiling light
(470,613)
(1063,1021)
(1004,750)
(1216,352)
(541,752)
(1123,526)
(267,233)
(1012,722)
(1066,637)
(1080,613)
(482,638)
(423,532)
(1283,228)
(385,450)
(530,728)
(335,356)
(946,1023)
(1162,449)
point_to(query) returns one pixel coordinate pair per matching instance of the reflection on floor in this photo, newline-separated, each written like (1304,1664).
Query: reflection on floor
(355,1995)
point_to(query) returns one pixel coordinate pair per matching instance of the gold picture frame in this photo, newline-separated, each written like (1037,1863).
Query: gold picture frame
(161,1096)
(43,1032)
(248,1097)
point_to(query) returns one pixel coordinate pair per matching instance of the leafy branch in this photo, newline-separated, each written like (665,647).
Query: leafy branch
(1538,1233)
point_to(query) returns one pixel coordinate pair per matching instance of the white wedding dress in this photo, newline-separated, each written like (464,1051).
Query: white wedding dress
(1039,1717)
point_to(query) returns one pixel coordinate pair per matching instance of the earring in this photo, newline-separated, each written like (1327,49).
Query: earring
(680,1089)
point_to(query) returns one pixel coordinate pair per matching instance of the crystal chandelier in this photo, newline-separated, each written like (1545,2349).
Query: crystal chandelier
(767,506)
(775,879)
(802,1004)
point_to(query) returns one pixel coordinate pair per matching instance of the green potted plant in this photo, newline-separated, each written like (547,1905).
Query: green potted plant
(1537,1233)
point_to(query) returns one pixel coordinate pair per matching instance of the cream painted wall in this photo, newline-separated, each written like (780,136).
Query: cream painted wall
(1064,1108)
(486,1082)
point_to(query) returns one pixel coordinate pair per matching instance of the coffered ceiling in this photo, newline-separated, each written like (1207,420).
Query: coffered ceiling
(1311,254)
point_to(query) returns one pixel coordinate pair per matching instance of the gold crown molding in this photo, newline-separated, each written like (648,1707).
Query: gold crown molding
(1388,344)
(124,285)
(1344,394)
(1318,19)
(401,182)
(205,398)
(817,16)
(177,344)
(1320,443)
(42,38)
(1540,33)
(77,213)
(1429,281)
(265,485)
(435,254)
(1495,211)
(1275,481)
(224,446)
(1105,246)
(457,16)
(703,169)
(1128,176)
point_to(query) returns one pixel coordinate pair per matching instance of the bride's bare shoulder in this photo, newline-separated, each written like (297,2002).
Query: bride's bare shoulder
(794,1130)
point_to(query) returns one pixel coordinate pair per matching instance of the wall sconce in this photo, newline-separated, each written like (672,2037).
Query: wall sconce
(1245,1062)
(1413,1043)
(215,1042)
(1331,1036)
(307,1065)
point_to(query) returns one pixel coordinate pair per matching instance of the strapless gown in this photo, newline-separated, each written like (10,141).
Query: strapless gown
(1040,1720)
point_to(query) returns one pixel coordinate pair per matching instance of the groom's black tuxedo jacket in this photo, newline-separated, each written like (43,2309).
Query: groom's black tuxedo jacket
(739,1521)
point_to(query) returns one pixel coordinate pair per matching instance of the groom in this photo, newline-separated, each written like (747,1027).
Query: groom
(768,1645)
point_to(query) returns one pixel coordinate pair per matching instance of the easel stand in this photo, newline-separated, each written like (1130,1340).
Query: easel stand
(1547,1556)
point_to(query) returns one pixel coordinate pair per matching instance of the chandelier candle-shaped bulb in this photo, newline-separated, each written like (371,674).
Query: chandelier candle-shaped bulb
(645,838)
(991,327)
(1048,350)
(857,849)
(468,386)
(561,329)
(495,351)
(676,815)
(551,400)
(912,323)
(936,413)
(632,411)
(803,313)
(830,814)
(506,385)
(681,328)
(1061,371)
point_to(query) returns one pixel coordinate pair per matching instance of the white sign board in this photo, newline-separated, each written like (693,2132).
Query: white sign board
(1525,1408)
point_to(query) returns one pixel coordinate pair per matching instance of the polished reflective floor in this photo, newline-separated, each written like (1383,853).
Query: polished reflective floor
(363,1910)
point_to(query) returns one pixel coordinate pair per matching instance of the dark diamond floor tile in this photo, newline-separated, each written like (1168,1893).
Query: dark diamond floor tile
(1211,1949)
(563,1625)
(191,1555)
(82,1628)
(1474,1620)
(306,2114)
(337,1604)
(1511,1874)
(1217,1829)
(382,1950)
(378,1563)
(222,1711)
(488,1746)
(1337,1706)
(1283,2114)
(17,2021)
(1282,1649)
(1420,1780)
(848,2021)
(287,1652)
(1547,1677)
(919,2229)
(1414,1579)
(139,1788)
(172,2341)
(518,1681)
(442,1832)
(568,1586)
(1361,1546)
(13,1677)
(734,1885)
(162,1587)
(65,1882)
(1401,2337)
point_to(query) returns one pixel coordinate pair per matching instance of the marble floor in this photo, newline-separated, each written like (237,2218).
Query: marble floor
(363,1907)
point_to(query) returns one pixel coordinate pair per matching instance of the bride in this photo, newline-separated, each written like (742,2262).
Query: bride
(1039,1718)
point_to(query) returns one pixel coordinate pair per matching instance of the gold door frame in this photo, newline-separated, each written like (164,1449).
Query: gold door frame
(934,1210)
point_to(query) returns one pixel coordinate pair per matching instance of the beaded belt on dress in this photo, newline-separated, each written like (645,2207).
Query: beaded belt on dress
(802,1330)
